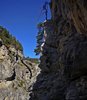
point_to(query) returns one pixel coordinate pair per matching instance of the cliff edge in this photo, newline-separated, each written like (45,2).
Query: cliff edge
(17,74)
(64,56)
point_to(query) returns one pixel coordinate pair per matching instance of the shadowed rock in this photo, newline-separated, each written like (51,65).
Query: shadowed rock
(64,58)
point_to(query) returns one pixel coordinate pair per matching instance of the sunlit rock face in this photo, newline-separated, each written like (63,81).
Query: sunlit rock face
(64,58)
(17,75)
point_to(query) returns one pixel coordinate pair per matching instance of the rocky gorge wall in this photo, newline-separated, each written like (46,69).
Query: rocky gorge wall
(17,74)
(64,57)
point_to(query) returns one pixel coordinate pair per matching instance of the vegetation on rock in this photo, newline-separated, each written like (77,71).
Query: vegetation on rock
(63,61)
(39,38)
(9,40)
(33,60)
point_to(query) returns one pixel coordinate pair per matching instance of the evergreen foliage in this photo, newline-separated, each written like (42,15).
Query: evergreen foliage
(39,38)
(9,40)
(33,60)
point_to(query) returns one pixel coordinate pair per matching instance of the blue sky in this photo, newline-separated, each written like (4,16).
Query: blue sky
(20,18)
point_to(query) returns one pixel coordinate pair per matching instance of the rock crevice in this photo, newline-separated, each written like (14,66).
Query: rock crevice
(17,75)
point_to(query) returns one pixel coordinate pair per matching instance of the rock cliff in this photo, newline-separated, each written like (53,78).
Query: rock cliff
(64,57)
(63,64)
(17,74)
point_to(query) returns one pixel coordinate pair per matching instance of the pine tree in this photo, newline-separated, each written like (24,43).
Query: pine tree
(39,38)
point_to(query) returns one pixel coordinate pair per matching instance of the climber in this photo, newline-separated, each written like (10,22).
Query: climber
(45,8)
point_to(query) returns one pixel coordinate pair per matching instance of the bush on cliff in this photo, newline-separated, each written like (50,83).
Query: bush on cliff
(9,40)
(39,38)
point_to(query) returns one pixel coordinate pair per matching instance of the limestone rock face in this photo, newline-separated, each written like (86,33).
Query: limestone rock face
(17,75)
(3,52)
(64,58)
